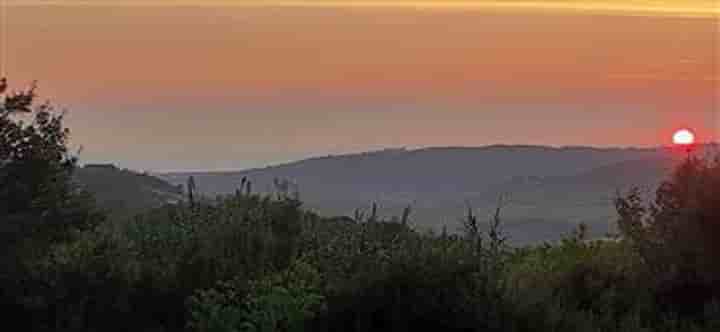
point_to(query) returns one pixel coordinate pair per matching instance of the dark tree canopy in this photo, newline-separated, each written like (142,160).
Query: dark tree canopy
(37,194)
(678,232)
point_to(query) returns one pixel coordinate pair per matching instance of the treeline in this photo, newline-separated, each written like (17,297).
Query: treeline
(249,262)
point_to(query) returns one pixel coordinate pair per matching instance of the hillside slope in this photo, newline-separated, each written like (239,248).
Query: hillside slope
(123,192)
(550,189)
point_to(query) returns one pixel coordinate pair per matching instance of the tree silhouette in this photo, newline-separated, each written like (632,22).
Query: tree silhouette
(676,235)
(38,199)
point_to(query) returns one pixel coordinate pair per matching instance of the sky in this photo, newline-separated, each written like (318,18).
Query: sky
(190,85)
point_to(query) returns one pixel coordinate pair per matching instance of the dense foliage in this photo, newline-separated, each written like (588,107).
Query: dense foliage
(39,203)
(37,196)
(676,235)
(249,262)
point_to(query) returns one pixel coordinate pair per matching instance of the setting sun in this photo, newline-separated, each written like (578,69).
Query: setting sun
(684,137)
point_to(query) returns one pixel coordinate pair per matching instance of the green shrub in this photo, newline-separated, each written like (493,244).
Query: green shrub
(585,281)
(280,302)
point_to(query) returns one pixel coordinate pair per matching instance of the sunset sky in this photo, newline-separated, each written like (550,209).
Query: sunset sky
(171,85)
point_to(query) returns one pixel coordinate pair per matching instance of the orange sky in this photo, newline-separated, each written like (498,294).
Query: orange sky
(193,87)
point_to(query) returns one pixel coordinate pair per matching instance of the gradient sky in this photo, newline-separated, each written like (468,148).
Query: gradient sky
(236,84)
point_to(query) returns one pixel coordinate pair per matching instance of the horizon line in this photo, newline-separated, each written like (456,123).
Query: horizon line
(406,149)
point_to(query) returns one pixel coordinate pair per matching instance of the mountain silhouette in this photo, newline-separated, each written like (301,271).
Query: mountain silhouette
(548,188)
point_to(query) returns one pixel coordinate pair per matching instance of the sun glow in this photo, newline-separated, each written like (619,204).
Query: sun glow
(684,137)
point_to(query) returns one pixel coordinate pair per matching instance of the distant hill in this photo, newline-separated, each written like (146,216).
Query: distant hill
(550,189)
(124,192)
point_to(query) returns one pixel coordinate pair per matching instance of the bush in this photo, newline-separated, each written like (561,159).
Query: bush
(595,281)
(138,274)
(279,302)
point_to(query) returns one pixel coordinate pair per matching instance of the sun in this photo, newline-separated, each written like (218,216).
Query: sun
(684,137)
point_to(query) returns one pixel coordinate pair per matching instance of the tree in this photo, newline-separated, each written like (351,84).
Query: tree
(39,202)
(676,235)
